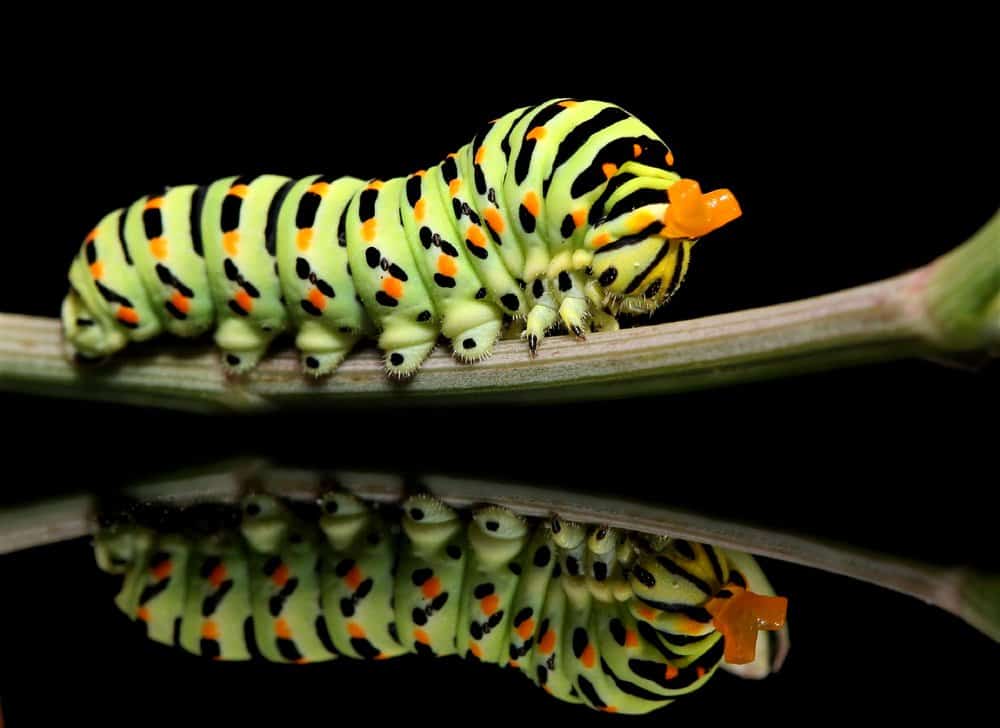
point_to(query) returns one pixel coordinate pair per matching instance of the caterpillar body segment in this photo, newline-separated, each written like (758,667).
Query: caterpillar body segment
(564,214)
(618,621)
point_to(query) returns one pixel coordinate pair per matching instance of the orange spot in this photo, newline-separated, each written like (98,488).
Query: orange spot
(301,661)
(579,217)
(548,642)
(669,158)
(240,191)
(476,650)
(304,238)
(609,709)
(446,265)
(154,204)
(740,617)
(317,299)
(375,184)
(639,220)
(368,230)
(420,173)
(162,570)
(601,239)
(381,656)
(91,236)
(494,219)
(454,186)
(158,247)
(589,656)
(142,613)
(475,236)
(609,169)
(244,300)
(420,209)
(452,155)
(489,604)
(128,315)
(209,630)
(480,154)
(537,133)
(97,269)
(280,575)
(513,663)
(355,630)
(282,629)
(180,302)
(526,629)
(700,670)
(671,672)
(422,637)
(353,577)
(568,104)
(431,588)
(547,689)
(531,202)
(647,613)
(393,286)
(631,638)
(636,151)
(691,626)
(319,188)
(217,576)
(230,241)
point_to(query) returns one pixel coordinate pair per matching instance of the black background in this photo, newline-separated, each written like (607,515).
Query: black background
(857,151)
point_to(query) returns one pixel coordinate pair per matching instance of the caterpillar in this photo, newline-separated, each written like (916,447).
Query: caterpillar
(561,215)
(616,620)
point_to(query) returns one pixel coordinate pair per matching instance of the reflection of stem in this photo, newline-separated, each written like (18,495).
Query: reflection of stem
(972,596)
(947,308)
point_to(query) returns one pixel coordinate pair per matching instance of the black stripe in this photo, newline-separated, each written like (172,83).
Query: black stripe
(271,228)
(686,676)
(596,213)
(523,162)
(634,200)
(675,277)
(305,214)
(590,693)
(342,227)
(713,556)
(244,180)
(323,632)
(366,204)
(677,570)
(631,688)
(505,144)
(152,590)
(637,281)
(288,650)
(121,237)
(449,170)
(250,639)
(413,190)
(681,640)
(197,202)
(698,614)
(110,296)
(230,218)
(652,229)
(573,141)
(615,152)
(652,637)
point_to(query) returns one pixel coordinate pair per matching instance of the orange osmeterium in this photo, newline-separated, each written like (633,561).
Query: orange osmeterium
(692,213)
(740,617)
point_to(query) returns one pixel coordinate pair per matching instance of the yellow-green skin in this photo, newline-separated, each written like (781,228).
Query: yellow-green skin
(592,615)
(553,214)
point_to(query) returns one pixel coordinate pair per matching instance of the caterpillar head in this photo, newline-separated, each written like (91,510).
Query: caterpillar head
(641,255)
(91,333)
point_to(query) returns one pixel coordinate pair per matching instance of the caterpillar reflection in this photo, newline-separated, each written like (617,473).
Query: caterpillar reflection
(562,214)
(619,621)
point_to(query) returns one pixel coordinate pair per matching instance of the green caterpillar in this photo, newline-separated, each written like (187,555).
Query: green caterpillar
(619,621)
(562,212)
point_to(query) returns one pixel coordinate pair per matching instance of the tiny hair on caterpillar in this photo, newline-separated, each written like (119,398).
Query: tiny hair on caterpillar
(616,620)
(562,215)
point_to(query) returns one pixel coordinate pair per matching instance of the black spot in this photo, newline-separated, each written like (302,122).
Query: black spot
(250,288)
(643,577)
(310,308)
(331,506)
(542,556)
(372,257)
(538,288)
(526,218)
(398,272)
(483,590)
(444,281)
(600,570)
(373,538)
(456,208)
(490,525)
(344,567)
(438,602)
(447,248)
(510,302)
(416,514)
(421,649)
(543,675)
(524,614)
(232,360)
(654,288)
(580,641)
(419,576)
(347,607)
(418,616)
(237,308)
(364,648)
(568,226)
(737,578)
(618,631)
(608,276)
(252,509)
(481,293)
(480,253)
(302,268)
(515,568)
(385,299)
(471,344)
(453,551)
(424,316)
(325,288)
(572,566)
(476,631)
(209,648)
(556,525)
(426,238)
(565,283)
(495,619)
(396,359)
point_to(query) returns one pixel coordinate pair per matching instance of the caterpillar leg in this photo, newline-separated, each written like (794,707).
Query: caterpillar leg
(322,350)
(602,321)
(573,306)
(473,327)
(242,344)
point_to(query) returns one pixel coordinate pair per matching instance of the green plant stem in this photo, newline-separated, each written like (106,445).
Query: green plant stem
(949,309)
(972,596)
